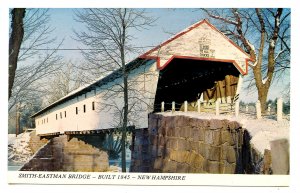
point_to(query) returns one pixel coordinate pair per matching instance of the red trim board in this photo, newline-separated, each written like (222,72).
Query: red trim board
(247,58)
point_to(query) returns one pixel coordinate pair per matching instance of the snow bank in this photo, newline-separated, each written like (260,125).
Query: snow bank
(18,148)
(265,80)
(262,130)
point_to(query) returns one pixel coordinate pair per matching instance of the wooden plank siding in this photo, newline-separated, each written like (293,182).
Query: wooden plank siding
(199,42)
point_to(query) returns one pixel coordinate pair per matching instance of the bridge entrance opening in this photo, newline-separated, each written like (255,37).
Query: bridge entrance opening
(187,79)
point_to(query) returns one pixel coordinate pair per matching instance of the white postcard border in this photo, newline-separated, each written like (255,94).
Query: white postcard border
(28,177)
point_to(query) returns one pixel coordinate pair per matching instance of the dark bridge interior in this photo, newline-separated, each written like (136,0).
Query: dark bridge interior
(186,79)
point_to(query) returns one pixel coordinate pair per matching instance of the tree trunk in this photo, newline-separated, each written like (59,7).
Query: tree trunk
(125,90)
(15,41)
(262,97)
(264,86)
(268,34)
(262,89)
(124,127)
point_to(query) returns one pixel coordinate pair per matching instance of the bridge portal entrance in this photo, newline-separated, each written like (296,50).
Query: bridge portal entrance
(188,79)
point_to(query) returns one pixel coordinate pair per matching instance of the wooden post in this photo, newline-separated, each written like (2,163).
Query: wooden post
(228,89)
(237,108)
(222,91)
(163,106)
(205,97)
(279,109)
(258,110)
(218,107)
(185,106)
(210,94)
(280,156)
(198,106)
(218,90)
(173,106)
(233,84)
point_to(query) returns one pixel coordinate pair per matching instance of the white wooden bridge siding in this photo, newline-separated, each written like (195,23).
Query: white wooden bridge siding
(203,41)
(200,41)
(145,77)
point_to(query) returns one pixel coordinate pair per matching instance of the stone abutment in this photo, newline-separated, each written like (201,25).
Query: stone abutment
(180,144)
(63,154)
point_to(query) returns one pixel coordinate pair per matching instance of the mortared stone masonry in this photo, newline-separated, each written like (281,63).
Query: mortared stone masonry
(59,154)
(180,144)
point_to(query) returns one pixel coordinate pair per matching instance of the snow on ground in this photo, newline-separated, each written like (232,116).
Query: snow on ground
(18,148)
(263,131)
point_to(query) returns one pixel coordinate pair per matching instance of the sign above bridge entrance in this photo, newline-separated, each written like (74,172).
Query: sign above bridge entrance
(201,41)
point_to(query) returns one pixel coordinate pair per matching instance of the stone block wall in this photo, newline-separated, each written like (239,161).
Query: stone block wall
(74,155)
(35,143)
(179,144)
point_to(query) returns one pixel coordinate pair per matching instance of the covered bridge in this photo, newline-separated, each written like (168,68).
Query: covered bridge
(199,61)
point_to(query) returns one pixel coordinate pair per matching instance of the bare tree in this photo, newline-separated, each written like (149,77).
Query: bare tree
(265,36)
(62,83)
(110,33)
(34,64)
(15,40)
